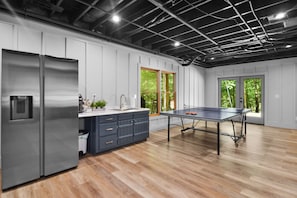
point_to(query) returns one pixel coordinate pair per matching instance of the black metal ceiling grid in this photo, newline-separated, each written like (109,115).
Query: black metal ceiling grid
(211,32)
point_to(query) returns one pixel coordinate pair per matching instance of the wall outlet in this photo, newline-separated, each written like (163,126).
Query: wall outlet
(296,118)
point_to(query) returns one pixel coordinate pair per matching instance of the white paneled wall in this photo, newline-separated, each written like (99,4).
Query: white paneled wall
(280,88)
(122,75)
(94,68)
(76,49)
(54,45)
(109,78)
(105,69)
(29,40)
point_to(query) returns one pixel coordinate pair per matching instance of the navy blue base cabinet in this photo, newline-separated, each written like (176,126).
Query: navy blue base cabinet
(107,132)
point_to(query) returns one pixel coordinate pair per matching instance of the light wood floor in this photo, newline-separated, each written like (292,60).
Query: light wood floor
(265,165)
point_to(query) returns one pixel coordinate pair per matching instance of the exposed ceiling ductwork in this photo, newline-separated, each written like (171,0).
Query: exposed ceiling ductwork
(210,33)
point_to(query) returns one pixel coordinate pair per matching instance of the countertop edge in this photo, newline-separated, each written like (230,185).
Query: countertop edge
(109,112)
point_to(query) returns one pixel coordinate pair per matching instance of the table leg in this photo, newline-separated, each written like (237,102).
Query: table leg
(218,138)
(245,125)
(168,129)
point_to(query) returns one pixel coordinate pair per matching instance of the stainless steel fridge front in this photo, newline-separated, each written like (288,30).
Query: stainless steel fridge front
(39,134)
(60,114)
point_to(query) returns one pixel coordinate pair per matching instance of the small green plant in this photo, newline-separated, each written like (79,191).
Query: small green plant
(93,105)
(100,103)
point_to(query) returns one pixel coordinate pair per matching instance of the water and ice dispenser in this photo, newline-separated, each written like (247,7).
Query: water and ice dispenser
(21,107)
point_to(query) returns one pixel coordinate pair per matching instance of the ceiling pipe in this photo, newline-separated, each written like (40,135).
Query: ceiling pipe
(58,4)
(85,11)
(243,20)
(99,22)
(181,12)
(143,28)
(261,25)
(159,5)
(77,29)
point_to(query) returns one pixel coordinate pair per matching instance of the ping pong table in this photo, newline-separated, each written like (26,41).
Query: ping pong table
(212,114)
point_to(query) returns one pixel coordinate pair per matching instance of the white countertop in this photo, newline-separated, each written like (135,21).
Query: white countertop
(100,112)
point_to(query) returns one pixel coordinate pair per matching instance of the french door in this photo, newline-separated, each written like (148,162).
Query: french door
(244,92)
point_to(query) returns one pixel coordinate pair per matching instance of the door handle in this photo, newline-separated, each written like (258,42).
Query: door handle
(109,142)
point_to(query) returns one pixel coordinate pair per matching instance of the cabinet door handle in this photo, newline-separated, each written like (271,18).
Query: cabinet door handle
(109,142)
(109,119)
(109,129)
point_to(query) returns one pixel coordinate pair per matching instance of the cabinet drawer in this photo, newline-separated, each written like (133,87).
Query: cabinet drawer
(125,116)
(141,127)
(125,140)
(125,122)
(107,118)
(107,129)
(145,119)
(108,142)
(142,114)
(126,130)
(140,136)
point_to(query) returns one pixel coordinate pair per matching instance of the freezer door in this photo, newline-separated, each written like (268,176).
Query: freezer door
(20,147)
(60,114)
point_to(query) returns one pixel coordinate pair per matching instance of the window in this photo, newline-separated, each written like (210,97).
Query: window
(154,82)
(167,91)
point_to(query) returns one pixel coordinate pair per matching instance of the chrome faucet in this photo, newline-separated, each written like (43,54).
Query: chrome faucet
(123,103)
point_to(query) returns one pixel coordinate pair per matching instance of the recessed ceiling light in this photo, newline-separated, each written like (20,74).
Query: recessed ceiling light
(176,44)
(212,58)
(116,18)
(288,46)
(280,15)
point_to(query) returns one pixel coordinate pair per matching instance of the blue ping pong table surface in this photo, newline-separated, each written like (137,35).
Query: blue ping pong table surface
(207,113)
(214,114)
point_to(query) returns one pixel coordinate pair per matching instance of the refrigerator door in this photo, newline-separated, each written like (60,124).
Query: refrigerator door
(20,137)
(60,114)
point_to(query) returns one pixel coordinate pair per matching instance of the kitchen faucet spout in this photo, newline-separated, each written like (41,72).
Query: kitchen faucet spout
(123,102)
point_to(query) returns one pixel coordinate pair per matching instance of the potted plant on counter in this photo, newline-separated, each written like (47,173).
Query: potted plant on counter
(100,104)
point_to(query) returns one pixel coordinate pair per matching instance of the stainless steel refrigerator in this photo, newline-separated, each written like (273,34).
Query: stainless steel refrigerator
(39,130)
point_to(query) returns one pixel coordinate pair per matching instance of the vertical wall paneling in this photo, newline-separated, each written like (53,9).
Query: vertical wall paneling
(54,45)
(110,74)
(76,49)
(196,88)
(274,95)
(134,76)
(145,60)
(192,82)
(187,86)
(93,71)
(29,40)
(122,72)
(6,38)
(287,93)
(202,88)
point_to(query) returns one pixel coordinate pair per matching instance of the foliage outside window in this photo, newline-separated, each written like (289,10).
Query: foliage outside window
(228,93)
(252,94)
(152,85)
(149,90)
(167,91)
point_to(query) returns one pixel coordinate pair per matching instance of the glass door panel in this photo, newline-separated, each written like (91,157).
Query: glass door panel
(252,98)
(243,92)
(228,93)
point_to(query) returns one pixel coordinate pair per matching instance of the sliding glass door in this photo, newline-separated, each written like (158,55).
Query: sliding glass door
(244,92)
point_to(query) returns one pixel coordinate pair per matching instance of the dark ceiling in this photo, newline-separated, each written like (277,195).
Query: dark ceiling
(211,32)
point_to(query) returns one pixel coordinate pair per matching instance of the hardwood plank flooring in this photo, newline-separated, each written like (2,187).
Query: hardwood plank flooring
(263,165)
